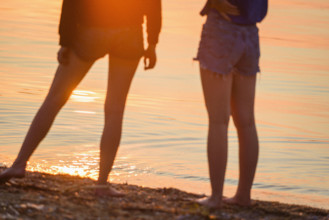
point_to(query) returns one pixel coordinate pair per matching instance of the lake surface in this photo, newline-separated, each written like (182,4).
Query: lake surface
(165,127)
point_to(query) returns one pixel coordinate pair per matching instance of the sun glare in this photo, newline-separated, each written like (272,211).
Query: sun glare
(84,96)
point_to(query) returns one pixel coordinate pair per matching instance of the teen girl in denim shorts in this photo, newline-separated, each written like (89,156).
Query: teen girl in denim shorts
(229,62)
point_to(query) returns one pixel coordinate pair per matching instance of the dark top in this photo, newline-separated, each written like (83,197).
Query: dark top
(251,11)
(109,13)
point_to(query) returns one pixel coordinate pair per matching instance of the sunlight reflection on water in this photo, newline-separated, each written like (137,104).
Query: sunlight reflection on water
(84,96)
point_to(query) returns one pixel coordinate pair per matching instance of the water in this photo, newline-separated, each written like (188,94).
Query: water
(164,134)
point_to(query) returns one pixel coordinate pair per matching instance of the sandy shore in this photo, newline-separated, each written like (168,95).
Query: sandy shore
(45,196)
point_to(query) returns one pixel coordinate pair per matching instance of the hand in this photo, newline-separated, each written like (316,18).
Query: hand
(63,55)
(150,57)
(224,8)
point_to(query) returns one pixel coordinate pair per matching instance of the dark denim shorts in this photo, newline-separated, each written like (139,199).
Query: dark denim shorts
(225,46)
(92,43)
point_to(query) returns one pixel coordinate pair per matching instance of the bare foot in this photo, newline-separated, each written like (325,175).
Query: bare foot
(12,172)
(210,202)
(237,201)
(107,191)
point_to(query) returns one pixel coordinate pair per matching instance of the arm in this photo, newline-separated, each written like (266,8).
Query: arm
(224,7)
(154,22)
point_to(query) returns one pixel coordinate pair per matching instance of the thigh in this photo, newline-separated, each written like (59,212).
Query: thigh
(217,95)
(68,76)
(243,99)
(121,73)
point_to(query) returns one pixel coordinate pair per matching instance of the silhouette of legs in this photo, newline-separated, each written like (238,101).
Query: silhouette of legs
(121,73)
(243,96)
(66,79)
(217,94)
(221,93)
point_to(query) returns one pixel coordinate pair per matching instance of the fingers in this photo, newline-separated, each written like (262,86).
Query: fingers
(149,59)
(149,63)
(225,16)
(223,6)
(145,62)
(231,9)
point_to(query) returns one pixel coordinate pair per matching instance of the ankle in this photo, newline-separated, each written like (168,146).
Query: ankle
(101,182)
(19,164)
(242,196)
(216,197)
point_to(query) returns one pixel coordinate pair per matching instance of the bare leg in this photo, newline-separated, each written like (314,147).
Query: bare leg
(217,94)
(66,79)
(243,96)
(121,73)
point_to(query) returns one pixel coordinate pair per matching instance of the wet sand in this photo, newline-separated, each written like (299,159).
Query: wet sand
(45,196)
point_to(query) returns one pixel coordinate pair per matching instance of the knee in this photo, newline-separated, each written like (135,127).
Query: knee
(55,102)
(221,121)
(244,122)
